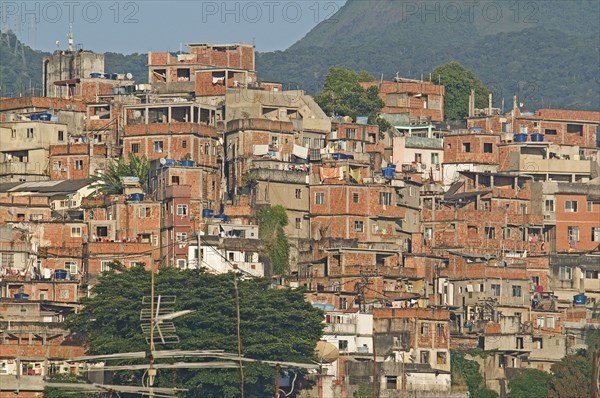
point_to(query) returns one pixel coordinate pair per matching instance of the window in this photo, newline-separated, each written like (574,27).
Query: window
(490,232)
(175,180)
(8,260)
(391,382)
(56,165)
(539,321)
(488,148)
(306,142)
(573,233)
(516,291)
(105,265)
(298,194)
(425,329)
(523,208)
(523,129)
(565,273)
(571,206)
(298,223)
(248,257)
(550,321)
(435,158)
(351,133)
(442,358)
(549,205)
(495,289)
(319,198)
(343,345)
(355,197)
(550,131)
(418,158)
(425,357)
(71,266)
(589,206)
(145,212)
(181,263)
(575,129)
(44,294)
(158,146)
(507,233)
(30,133)
(481,287)
(79,165)
(61,135)
(102,232)
(595,234)
(359,226)
(135,148)
(64,293)
(184,144)
(274,140)
(466,147)
(182,210)
(428,233)
(13,133)
(75,232)
(506,128)
(385,198)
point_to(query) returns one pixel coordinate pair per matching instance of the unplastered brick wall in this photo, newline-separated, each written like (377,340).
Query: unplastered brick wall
(471,148)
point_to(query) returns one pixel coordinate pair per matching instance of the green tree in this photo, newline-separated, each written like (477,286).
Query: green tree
(110,182)
(342,95)
(276,324)
(271,221)
(466,372)
(571,377)
(531,383)
(458,83)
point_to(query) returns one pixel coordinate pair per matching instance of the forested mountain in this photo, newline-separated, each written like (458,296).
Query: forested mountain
(546,51)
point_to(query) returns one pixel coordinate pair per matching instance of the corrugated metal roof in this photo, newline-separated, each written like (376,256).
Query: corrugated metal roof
(47,187)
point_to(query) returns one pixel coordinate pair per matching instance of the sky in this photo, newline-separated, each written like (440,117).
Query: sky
(152,25)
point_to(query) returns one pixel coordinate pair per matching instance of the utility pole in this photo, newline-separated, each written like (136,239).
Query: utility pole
(595,370)
(151,370)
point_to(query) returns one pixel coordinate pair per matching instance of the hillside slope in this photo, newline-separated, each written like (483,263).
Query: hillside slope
(532,49)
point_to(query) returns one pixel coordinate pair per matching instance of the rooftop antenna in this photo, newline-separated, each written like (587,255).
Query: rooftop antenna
(70,36)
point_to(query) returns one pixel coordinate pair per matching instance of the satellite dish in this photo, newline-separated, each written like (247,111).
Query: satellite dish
(137,114)
(163,161)
(129,76)
(326,352)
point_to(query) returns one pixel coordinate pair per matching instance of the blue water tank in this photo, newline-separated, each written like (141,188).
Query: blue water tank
(579,299)
(537,137)
(60,274)
(122,90)
(597,143)
(95,75)
(520,137)
(107,75)
(136,197)
(207,213)
(45,117)
(186,163)
(170,162)
(115,90)
(388,172)
(21,296)
(113,76)
(475,129)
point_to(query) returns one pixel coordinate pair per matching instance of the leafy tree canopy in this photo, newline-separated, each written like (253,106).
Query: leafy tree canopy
(458,83)
(276,324)
(532,383)
(271,221)
(465,372)
(110,182)
(343,95)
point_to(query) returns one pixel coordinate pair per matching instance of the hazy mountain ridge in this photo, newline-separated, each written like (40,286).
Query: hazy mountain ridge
(532,50)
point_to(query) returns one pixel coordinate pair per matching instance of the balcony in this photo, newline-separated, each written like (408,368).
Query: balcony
(537,164)
(340,328)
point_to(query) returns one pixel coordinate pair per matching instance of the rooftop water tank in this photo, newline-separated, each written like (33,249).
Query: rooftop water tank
(21,296)
(476,130)
(520,137)
(537,137)
(95,75)
(136,197)
(207,213)
(579,299)
(186,163)
(115,90)
(60,274)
